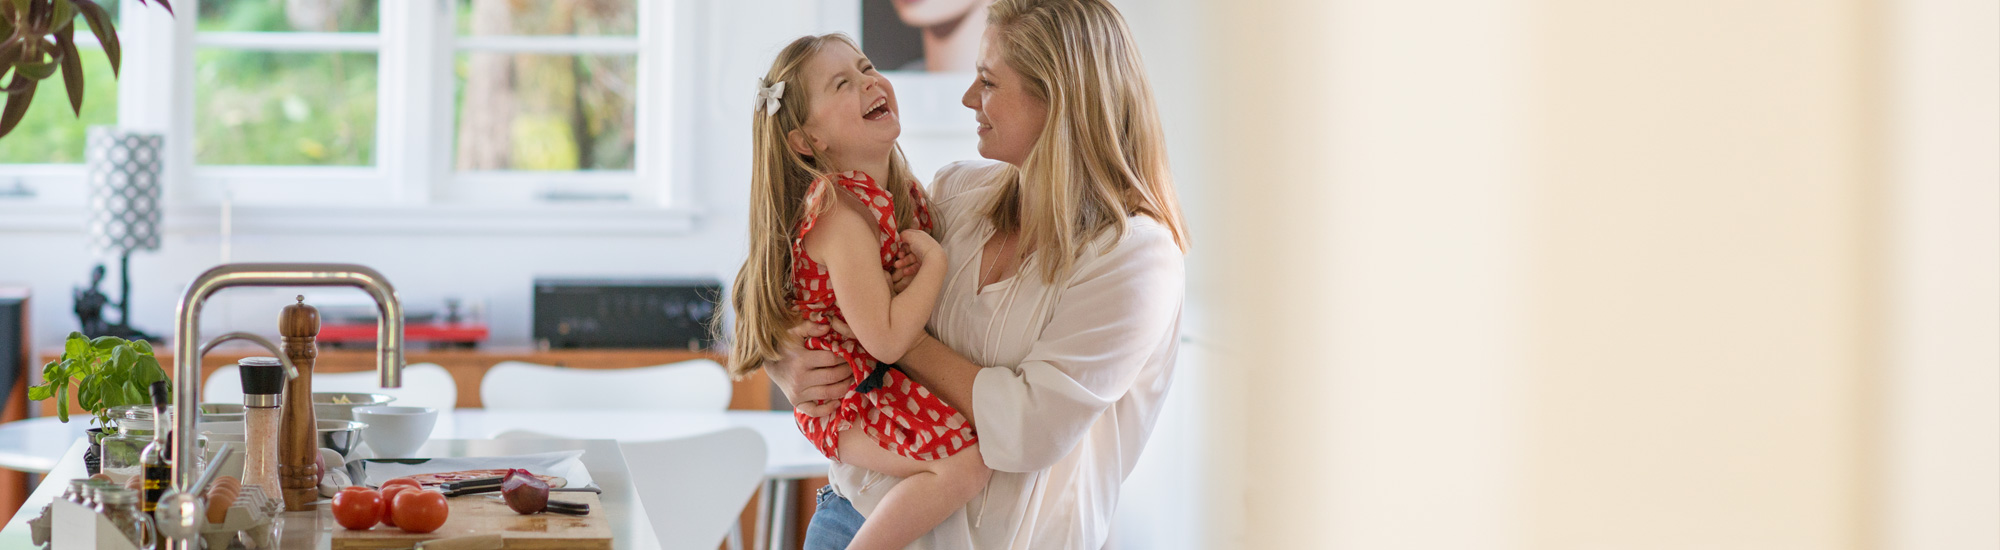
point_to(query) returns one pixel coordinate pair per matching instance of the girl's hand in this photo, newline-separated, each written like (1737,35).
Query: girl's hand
(923,245)
(813,380)
(905,269)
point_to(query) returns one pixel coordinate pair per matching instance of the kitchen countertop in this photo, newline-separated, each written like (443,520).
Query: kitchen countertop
(314,529)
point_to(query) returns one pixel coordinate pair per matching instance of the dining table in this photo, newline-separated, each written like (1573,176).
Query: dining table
(42,445)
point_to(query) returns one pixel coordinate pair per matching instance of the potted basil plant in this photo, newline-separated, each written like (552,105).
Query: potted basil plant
(108,372)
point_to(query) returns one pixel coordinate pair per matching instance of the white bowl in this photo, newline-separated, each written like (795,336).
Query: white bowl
(396,432)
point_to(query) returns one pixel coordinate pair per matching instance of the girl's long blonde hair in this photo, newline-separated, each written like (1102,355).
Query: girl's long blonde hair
(779,179)
(1102,155)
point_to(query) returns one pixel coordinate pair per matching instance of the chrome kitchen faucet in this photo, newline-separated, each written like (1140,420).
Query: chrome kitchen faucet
(187,355)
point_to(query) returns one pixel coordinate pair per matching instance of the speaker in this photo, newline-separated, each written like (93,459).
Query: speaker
(625,313)
(13,339)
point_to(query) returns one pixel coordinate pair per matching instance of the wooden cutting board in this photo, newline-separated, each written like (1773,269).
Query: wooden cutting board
(478,514)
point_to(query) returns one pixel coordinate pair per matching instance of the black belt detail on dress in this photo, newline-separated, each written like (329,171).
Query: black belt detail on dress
(876,377)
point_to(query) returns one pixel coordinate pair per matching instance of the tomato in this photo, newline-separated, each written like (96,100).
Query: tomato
(357,507)
(402,481)
(389,503)
(421,511)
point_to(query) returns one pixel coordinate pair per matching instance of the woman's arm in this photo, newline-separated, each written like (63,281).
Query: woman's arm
(1117,314)
(886,324)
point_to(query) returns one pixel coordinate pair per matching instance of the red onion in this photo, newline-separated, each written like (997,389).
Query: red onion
(524,492)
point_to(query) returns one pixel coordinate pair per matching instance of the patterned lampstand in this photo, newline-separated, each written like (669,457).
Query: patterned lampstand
(124,170)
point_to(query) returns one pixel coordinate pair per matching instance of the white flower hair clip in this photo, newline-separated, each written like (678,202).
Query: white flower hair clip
(768,96)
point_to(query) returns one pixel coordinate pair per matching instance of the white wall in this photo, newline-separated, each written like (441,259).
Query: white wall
(1940,448)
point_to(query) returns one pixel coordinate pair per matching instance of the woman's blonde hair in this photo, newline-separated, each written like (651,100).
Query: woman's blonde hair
(779,179)
(1101,156)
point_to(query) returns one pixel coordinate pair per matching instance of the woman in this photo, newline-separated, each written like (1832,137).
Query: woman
(1056,331)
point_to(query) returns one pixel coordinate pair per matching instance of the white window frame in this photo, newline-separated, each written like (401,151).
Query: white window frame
(412,187)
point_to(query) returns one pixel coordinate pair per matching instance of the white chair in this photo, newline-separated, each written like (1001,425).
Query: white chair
(424,385)
(698,384)
(692,488)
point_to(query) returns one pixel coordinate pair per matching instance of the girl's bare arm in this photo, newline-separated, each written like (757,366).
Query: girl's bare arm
(886,324)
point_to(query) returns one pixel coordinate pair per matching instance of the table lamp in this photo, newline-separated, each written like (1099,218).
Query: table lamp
(124,171)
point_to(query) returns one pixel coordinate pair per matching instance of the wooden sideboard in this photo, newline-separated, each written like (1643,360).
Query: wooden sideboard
(468,367)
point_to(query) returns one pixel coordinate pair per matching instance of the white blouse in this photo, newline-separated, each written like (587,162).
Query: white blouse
(1074,378)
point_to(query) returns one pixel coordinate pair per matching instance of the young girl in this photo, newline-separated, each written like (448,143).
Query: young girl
(832,204)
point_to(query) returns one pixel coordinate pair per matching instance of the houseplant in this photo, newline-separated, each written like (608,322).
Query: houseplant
(108,372)
(38,38)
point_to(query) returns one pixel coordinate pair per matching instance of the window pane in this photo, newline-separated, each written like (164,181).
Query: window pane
(545,112)
(50,132)
(289,15)
(560,17)
(283,108)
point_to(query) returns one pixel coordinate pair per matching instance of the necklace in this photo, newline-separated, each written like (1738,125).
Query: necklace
(1003,255)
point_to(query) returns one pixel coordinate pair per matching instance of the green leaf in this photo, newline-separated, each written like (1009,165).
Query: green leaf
(62,406)
(65,15)
(148,371)
(143,347)
(38,393)
(75,345)
(53,372)
(104,343)
(100,24)
(17,103)
(72,68)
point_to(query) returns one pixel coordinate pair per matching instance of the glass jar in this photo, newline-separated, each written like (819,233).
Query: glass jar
(121,507)
(123,450)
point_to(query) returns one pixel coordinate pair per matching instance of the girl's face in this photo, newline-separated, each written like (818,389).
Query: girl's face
(853,106)
(931,13)
(1010,119)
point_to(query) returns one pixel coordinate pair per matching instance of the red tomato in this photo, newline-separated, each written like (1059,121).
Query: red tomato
(357,507)
(421,511)
(402,481)
(389,503)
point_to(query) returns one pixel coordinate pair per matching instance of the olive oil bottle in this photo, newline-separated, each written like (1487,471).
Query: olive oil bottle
(153,460)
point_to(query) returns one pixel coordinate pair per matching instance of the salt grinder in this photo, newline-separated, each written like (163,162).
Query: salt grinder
(263,392)
(299,450)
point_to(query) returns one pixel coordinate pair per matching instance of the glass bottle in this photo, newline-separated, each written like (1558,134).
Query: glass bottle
(153,459)
(121,507)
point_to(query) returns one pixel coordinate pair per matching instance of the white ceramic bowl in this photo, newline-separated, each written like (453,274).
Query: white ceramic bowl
(396,432)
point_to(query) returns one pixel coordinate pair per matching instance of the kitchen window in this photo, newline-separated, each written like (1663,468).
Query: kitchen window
(452,110)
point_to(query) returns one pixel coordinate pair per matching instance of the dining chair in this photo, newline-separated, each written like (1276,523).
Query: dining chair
(424,385)
(698,384)
(692,488)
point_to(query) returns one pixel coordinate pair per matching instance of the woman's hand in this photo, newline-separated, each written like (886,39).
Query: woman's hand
(813,380)
(923,245)
(905,269)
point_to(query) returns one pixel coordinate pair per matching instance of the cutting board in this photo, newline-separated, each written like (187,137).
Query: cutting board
(478,515)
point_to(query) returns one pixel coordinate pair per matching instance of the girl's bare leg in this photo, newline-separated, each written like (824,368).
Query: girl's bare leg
(929,492)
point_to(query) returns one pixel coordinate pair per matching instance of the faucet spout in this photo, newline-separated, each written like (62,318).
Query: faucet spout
(188,352)
(290,370)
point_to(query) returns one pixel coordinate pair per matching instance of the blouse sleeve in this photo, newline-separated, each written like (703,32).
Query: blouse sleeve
(1116,312)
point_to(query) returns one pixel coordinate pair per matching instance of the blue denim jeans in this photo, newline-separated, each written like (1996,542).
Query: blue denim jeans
(834,522)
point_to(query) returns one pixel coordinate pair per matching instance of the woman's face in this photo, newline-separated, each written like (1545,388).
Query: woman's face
(1010,119)
(931,13)
(853,106)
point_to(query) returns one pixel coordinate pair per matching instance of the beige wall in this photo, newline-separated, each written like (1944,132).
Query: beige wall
(1704,273)
(1574,274)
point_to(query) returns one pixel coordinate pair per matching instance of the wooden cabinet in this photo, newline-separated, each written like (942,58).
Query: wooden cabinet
(468,367)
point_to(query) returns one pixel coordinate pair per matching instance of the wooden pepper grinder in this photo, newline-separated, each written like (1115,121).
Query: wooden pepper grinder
(298,444)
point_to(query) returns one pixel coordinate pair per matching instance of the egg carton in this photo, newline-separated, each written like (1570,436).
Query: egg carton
(250,515)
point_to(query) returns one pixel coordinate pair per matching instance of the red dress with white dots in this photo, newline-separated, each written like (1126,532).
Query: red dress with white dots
(896,412)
